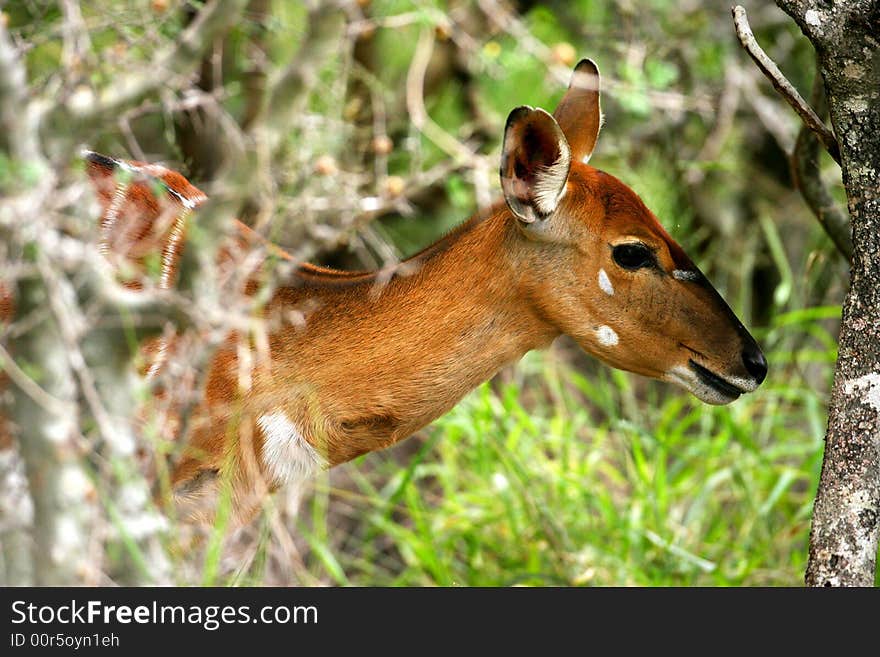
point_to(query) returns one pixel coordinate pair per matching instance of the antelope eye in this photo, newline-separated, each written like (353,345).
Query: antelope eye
(633,256)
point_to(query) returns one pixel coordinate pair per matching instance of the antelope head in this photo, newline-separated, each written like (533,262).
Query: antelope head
(597,264)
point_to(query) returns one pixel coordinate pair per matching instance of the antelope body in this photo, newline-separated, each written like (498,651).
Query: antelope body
(358,361)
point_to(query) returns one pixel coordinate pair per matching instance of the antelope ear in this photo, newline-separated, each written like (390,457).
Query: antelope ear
(578,113)
(535,161)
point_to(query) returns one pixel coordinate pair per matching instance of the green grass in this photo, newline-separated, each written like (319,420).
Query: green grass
(555,477)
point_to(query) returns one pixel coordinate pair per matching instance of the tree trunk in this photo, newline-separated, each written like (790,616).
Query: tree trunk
(846,518)
(48,429)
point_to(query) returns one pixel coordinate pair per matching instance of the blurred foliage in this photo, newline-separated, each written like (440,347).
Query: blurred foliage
(573,474)
(560,471)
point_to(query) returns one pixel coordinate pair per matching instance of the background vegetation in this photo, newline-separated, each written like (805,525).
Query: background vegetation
(559,471)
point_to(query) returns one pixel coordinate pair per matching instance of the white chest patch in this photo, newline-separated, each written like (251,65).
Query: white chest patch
(607,336)
(286,454)
(605,283)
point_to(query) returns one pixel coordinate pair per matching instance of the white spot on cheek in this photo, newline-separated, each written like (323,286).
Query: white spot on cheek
(682,275)
(286,454)
(870,383)
(605,283)
(812,17)
(607,336)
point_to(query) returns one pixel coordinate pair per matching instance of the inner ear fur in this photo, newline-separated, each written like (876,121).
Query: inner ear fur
(535,161)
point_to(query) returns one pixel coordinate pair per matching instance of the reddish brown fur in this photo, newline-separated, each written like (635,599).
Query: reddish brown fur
(360,360)
(135,222)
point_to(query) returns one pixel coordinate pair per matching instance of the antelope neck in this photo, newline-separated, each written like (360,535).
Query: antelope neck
(383,360)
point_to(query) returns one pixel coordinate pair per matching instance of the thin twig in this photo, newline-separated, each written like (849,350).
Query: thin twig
(16,130)
(31,388)
(808,177)
(176,60)
(781,84)
(289,94)
(76,43)
(70,325)
(415,104)
(500,14)
(782,126)
(728,102)
(254,75)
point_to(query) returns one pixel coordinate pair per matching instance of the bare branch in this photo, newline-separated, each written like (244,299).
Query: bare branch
(415,101)
(289,93)
(254,78)
(501,14)
(31,388)
(14,117)
(70,326)
(728,102)
(76,36)
(176,60)
(781,84)
(808,178)
(415,104)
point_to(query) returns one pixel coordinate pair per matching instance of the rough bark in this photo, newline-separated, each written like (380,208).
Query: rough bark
(846,518)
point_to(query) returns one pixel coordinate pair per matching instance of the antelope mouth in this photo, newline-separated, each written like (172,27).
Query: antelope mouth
(708,378)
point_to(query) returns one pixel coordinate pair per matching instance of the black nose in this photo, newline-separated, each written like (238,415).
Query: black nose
(755,362)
